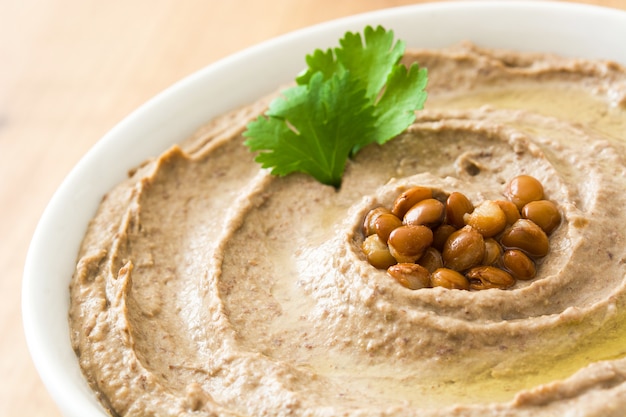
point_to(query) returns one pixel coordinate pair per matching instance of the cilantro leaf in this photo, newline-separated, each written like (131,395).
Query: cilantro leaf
(320,61)
(349,97)
(403,95)
(296,142)
(370,63)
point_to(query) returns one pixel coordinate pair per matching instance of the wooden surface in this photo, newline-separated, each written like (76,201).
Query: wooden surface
(69,71)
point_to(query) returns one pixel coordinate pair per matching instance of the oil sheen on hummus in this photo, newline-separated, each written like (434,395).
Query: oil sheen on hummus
(207,287)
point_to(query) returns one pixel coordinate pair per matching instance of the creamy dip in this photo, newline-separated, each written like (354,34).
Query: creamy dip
(205,286)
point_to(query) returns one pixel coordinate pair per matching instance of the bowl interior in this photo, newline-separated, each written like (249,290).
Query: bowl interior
(179,110)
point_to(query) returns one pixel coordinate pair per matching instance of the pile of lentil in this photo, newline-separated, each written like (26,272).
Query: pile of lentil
(444,241)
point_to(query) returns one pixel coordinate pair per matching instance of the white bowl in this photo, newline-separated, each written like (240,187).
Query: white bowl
(567,29)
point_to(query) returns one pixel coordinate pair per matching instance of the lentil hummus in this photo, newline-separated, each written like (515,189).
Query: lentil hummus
(207,287)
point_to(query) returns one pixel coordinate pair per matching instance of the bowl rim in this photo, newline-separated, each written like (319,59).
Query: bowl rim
(150,121)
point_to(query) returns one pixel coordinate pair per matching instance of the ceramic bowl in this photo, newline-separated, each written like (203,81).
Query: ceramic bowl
(566,29)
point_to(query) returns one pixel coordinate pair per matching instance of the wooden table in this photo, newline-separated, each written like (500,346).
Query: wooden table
(69,71)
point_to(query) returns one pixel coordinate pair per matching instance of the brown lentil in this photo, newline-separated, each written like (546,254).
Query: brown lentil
(427,212)
(493,252)
(488,218)
(519,264)
(447,242)
(377,252)
(431,259)
(409,275)
(485,277)
(441,234)
(464,249)
(409,198)
(384,224)
(449,278)
(526,236)
(543,213)
(457,206)
(510,211)
(370,219)
(523,189)
(408,243)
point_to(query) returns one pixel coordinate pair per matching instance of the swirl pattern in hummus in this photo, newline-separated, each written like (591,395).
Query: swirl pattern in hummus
(207,287)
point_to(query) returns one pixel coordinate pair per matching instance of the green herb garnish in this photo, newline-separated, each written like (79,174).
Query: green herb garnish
(349,97)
